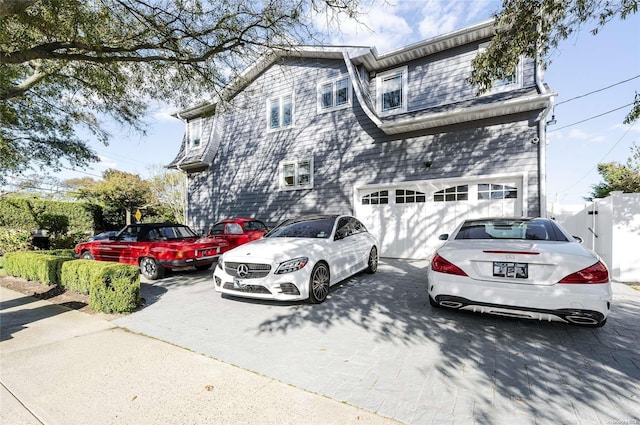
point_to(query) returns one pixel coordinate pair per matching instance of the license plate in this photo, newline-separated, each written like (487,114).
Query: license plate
(511,270)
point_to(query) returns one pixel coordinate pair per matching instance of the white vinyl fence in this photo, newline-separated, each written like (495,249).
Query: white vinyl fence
(609,226)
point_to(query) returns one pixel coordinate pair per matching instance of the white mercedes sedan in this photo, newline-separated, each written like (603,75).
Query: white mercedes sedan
(298,260)
(522,267)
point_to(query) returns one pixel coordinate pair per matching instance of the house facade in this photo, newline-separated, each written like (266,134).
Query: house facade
(400,140)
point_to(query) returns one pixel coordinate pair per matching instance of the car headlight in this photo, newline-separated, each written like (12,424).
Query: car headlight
(220,265)
(292,265)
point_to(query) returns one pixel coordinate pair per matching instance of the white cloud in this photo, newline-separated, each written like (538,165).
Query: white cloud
(164,114)
(632,128)
(392,24)
(106,163)
(578,134)
(381,27)
(589,137)
(442,17)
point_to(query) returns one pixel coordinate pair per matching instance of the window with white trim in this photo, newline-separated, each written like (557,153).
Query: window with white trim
(381,197)
(406,196)
(333,95)
(454,193)
(510,81)
(280,112)
(391,91)
(194,133)
(296,174)
(496,191)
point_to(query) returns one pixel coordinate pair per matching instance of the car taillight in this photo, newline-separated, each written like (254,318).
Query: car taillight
(597,273)
(439,264)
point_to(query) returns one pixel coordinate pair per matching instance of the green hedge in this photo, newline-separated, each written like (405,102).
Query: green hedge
(115,288)
(112,287)
(36,266)
(56,216)
(14,240)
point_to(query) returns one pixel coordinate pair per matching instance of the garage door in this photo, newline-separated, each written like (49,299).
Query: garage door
(409,217)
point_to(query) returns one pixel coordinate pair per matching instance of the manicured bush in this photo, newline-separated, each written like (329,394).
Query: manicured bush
(56,216)
(35,266)
(115,288)
(76,275)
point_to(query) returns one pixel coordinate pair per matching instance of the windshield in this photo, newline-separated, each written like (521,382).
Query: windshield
(540,230)
(312,228)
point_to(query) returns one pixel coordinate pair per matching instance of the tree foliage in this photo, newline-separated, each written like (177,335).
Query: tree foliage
(619,177)
(169,188)
(118,192)
(535,28)
(64,63)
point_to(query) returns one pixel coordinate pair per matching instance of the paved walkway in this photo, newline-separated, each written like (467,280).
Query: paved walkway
(378,344)
(60,366)
(375,346)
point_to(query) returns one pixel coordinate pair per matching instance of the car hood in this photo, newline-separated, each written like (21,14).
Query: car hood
(277,250)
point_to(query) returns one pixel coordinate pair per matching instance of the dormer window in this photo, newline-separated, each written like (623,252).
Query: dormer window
(333,95)
(510,82)
(194,133)
(391,91)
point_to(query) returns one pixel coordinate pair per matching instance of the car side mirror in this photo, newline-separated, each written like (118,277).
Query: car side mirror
(578,239)
(443,237)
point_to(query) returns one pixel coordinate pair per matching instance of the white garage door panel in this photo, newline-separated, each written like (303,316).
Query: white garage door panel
(411,230)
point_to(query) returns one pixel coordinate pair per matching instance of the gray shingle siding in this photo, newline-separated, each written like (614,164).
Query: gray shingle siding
(347,148)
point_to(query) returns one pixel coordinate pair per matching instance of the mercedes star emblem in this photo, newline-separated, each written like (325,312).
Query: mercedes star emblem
(243,270)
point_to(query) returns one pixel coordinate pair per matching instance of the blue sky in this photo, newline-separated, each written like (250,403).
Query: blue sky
(582,64)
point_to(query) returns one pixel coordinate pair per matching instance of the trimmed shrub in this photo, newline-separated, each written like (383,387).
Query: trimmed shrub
(76,275)
(35,266)
(115,288)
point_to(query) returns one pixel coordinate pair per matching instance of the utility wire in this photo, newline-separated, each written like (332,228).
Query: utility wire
(590,118)
(599,90)
(603,157)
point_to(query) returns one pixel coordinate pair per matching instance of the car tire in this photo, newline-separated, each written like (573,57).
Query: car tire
(86,255)
(372,264)
(201,268)
(151,269)
(319,283)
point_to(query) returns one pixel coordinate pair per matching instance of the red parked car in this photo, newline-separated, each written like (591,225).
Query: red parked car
(155,247)
(238,231)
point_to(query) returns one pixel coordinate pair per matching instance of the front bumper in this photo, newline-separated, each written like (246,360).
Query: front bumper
(292,286)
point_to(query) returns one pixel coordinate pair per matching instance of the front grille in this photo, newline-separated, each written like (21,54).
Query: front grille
(254,289)
(256,271)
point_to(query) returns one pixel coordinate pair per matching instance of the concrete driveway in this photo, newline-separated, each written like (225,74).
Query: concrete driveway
(376,343)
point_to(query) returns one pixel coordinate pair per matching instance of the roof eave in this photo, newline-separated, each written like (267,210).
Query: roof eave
(458,116)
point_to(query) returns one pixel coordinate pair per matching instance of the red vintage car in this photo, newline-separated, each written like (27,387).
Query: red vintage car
(155,247)
(238,231)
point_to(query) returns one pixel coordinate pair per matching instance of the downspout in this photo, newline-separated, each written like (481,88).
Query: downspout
(186,176)
(542,140)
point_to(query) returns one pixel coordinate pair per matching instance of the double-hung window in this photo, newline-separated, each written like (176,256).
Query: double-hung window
(334,94)
(194,133)
(280,112)
(296,174)
(391,91)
